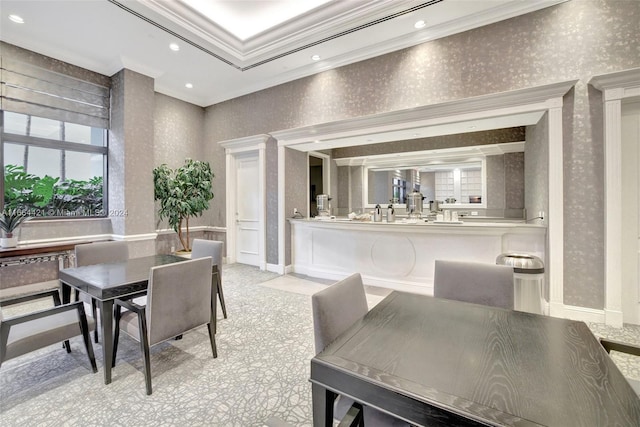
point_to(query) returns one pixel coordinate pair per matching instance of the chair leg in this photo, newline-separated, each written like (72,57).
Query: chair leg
(212,338)
(144,345)
(94,311)
(221,294)
(57,302)
(84,327)
(116,333)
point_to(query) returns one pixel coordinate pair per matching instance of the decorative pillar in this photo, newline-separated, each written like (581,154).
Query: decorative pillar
(130,179)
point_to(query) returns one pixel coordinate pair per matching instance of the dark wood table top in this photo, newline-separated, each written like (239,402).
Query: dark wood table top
(422,357)
(109,281)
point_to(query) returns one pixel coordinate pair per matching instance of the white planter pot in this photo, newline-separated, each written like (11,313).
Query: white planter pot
(8,242)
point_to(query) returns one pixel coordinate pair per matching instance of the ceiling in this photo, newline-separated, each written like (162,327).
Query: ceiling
(230,48)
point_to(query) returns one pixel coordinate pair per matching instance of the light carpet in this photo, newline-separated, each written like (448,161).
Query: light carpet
(259,378)
(261,373)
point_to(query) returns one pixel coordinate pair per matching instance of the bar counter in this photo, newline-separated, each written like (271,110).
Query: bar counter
(401,255)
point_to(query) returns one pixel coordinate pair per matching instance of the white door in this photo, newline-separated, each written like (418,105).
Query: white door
(631,212)
(247,209)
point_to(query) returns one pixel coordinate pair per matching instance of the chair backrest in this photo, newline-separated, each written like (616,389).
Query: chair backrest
(336,308)
(178,298)
(101,253)
(479,283)
(203,248)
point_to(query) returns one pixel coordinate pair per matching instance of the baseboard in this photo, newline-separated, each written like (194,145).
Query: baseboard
(584,314)
(613,318)
(276,268)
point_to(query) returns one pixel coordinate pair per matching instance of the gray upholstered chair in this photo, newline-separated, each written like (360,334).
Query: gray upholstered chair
(475,282)
(612,345)
(213,248)
(178,300)
(335,309)
(99,253)
(25,333)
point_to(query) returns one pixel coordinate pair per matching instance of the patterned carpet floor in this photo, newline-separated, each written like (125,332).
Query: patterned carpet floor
(261,372)
(261,375)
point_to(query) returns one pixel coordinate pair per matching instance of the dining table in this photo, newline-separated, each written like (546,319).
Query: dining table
(108,282)
(436,362)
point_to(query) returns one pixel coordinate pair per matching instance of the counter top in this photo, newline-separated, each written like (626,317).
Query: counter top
(404,223)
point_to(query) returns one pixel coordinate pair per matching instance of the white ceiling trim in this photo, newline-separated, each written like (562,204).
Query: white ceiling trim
(321,23)
(315,25)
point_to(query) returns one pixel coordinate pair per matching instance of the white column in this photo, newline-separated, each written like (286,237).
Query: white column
(555,231)
(613,202)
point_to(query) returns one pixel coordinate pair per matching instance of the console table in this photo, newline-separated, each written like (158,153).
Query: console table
(30,268)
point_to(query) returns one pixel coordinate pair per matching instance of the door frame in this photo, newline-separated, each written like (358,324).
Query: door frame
(240,147)
(615,87)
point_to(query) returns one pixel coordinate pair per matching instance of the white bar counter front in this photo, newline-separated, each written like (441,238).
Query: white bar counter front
(401,255)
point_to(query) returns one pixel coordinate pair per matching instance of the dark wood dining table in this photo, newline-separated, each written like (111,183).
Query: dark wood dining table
(107,282)
(437,362)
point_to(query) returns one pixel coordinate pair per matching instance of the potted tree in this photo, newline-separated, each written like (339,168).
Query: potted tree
(183,193)
(9,221)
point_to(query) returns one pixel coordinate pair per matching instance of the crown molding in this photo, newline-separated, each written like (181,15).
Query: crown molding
(618,85)
(246,143)
(501,103)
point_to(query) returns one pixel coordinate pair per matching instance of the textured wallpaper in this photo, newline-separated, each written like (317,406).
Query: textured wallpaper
(178,134)
(495,182)
(131,147)
(514,181)
(573,40)
(271,154)
(295,191)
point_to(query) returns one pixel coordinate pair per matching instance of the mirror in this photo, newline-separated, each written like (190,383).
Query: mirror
(459,177)
(460,184)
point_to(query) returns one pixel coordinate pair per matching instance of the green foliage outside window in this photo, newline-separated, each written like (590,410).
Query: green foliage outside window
(35,196)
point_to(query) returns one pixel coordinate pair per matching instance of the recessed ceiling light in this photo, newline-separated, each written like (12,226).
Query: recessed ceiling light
(189,86)
(174,47)
(17,19)
(420,24)
(316,57)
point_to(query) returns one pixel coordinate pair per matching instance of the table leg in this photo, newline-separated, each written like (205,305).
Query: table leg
(106,317)
(322,405)
(66,299)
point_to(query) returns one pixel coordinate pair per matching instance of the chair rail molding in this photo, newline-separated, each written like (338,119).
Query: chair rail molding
(615,87)
(525,104)
(233,148)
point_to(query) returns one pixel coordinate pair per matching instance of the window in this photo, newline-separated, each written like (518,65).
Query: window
(52,168)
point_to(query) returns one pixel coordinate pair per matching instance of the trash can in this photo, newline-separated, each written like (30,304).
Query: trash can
(528,281)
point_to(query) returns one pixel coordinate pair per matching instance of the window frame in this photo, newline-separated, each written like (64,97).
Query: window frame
(40,142)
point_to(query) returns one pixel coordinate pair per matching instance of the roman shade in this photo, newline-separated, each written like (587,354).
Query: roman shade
(39,91)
